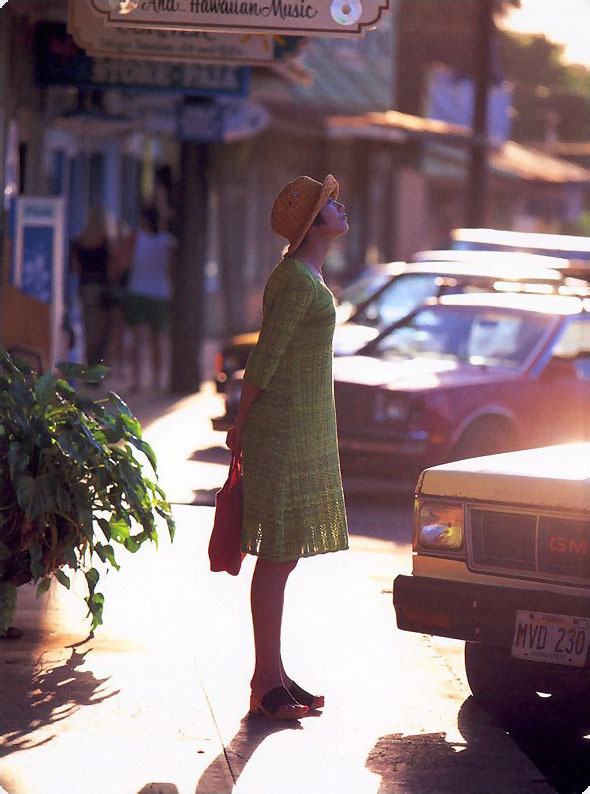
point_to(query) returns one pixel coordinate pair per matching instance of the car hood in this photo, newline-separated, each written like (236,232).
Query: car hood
(350,337)
(552,477)
(413,374)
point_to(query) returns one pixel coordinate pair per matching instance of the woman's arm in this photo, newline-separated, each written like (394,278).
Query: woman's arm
(248,397)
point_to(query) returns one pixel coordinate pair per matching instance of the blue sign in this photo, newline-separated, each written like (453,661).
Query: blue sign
(38,237)
(37,262)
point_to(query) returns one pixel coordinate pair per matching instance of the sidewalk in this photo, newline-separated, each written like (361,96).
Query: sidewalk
(156,702)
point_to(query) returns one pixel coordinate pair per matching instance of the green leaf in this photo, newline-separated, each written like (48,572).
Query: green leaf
(115,432)
(47,486)
(70,556)
(92,578)
(41,434)
(36,553)
(18,459)
(43,587)
(63,579)
(20,393)
(149,453)
(131,545)
(64,388)
(82,372)
(30,497)
(36,495)
(45,388)
(95,607)
(69,443)
(120,530)
(119,404)
(87,530)
(105,526)
(107,553)
(132,425)
(64,500)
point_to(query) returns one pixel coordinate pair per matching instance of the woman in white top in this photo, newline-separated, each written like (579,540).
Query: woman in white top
(149,292)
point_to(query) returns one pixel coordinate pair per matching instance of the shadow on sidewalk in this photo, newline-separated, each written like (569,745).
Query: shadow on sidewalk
(204,498)
(218,454)
(41,692)
(554,733)
(430,762)
(253,731)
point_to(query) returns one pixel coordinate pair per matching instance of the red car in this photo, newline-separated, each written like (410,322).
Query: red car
(463,376)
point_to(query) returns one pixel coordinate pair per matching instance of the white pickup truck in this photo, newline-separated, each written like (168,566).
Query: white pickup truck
(501,559)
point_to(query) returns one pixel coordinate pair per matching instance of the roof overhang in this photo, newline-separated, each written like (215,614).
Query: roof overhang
(510,159)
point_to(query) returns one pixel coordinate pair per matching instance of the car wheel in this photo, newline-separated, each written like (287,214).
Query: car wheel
(484,437)
(495,679)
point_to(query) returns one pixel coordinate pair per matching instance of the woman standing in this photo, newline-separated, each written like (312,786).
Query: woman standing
(90,260)
(286,429)
(147,305)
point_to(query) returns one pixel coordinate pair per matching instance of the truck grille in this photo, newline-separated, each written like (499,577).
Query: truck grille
(536,546)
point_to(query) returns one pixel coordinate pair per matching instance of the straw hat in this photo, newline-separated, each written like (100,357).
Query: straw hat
(297,206)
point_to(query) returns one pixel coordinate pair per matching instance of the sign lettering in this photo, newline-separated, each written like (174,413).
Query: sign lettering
(89,31)
(301,18)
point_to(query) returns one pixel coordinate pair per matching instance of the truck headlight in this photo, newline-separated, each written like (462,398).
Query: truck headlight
(439,526)
(390,407)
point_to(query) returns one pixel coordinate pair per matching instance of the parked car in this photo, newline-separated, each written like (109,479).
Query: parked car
(575,274)
(393,300)
(501,559)
(236,349)
(466,375)
(575,248)
(429,279)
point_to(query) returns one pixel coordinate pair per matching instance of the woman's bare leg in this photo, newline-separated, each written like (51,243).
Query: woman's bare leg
(267,598)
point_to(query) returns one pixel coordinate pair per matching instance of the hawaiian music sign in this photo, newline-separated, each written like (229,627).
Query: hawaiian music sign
(273,17)
(89,31)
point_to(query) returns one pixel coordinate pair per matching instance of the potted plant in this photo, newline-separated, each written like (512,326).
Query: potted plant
(72,484)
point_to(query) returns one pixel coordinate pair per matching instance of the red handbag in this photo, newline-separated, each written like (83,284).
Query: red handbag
(224,545)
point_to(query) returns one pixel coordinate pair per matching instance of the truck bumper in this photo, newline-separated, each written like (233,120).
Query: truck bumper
(473,612)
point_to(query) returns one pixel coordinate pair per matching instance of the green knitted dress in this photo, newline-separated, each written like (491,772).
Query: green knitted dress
(293,500)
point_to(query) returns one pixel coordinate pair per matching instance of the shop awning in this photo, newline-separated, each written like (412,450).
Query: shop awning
(511,160)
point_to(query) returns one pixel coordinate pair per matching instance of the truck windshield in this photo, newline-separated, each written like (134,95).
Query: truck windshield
(482,336)
(398,299)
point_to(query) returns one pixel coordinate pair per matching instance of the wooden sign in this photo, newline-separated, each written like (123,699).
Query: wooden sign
(88,30)
(273,17)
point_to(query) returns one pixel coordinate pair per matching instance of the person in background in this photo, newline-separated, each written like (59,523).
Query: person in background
(90,255)
(286,431)
(147,304)
(119,269)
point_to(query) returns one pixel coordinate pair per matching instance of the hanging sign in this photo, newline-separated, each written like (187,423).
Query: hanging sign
(60,61)
(222,119)
(277,17)
(89,31)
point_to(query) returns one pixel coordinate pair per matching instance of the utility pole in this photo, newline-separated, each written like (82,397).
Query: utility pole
(189,289)
(478,178)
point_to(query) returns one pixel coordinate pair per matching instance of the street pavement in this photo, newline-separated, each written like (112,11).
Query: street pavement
(156,702)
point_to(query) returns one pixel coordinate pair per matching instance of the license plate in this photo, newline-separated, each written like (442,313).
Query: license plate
(543,637)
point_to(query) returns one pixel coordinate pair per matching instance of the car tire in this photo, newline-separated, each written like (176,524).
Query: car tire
(485,437)
(495,679)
